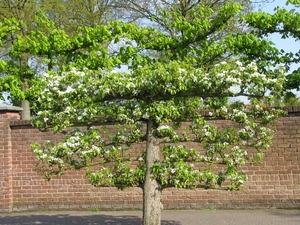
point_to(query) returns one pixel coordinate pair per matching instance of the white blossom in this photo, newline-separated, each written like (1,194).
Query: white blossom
(163,127)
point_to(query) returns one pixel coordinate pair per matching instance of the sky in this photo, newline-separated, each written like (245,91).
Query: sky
(289,45)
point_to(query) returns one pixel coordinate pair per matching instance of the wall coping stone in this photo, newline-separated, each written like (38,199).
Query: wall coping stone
(291,111)
(10,108)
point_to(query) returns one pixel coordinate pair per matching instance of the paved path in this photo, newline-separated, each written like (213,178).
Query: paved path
(187,217)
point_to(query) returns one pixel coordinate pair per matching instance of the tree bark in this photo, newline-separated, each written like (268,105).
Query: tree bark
(152,206)
(25,115)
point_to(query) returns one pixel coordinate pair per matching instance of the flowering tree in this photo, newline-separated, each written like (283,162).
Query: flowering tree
(149,103)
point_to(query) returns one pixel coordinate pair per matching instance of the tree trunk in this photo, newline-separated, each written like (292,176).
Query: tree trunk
(25,115)
(152,205)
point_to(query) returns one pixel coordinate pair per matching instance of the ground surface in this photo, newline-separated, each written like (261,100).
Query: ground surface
(186,217)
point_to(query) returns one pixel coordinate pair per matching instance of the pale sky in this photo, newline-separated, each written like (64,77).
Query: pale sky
(289,45)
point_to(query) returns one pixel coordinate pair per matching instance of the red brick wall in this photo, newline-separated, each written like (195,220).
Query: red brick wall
(274,183)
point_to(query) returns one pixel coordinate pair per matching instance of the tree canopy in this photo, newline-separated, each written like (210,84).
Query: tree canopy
(24,67)
(183,77)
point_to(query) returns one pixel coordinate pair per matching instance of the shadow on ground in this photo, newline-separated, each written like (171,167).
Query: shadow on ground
(286,213)
(67,219)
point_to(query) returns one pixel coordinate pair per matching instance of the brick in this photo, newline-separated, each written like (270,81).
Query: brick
(274,183)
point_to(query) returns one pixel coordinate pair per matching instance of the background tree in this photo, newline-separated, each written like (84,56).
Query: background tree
(149,103)
(70,15)
(18,70)
(287,24)
(23,66)
(182,20)
(7,27)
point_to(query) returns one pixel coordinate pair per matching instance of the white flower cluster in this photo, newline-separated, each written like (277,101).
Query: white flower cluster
(208,131)
(163,127)
(236,157)
(239,115)
(78,96)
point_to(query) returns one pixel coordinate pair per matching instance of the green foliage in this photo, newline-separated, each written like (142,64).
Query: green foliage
(12,85)
(34,43)
(9,84)
(286,23)
(191,41)
(6,27)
